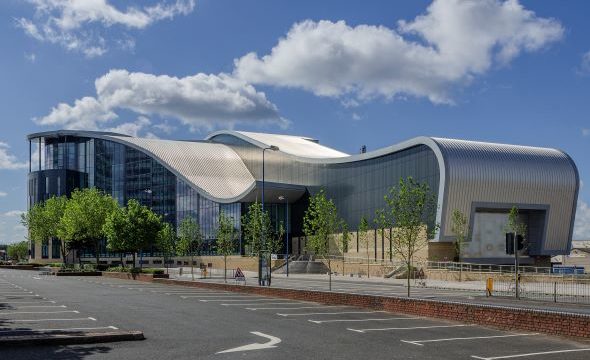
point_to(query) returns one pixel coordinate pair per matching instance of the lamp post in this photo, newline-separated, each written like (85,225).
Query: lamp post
(263,242)
(286,230)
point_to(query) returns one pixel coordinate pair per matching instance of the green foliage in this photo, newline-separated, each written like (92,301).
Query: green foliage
(514,225)
(226,235)
(274,243)
(34,221)
(364,238)
(132,228)
(344,239)
(18,251)
(190,238)
(320,223)
(167,240)
(409,208)
(460,229)
(84,218)
(256,225)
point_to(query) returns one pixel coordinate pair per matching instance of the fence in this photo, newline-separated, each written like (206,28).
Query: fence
(565,289)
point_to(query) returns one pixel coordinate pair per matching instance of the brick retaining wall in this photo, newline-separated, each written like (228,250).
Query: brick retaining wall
(506,318)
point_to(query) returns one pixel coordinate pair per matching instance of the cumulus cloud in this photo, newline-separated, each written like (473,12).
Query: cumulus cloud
(132,128)
(584,67)
(199,101)
(451,43)
(582,223)
(3,194)
(12,213)
(80,25)
(9,161)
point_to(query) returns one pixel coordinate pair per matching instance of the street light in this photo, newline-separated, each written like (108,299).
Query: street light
(273,148)
(286,230)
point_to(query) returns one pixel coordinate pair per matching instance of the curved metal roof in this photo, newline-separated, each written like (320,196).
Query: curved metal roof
(213,170)
(299,146)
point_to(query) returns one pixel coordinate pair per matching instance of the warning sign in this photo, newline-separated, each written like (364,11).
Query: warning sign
(239,275)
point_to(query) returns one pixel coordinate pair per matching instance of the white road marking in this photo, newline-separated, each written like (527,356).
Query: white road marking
(41,306)
(64,329)
(409,328)
(421,342)
(263,303)
(248,300)
(20,295)
(28,302)
(361,320)
(218,296)
(530,354)
(38,312)
(39,320)
(296,308)
(332,313)
(272,342)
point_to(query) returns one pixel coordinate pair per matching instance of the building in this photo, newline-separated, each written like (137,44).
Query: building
(225,172)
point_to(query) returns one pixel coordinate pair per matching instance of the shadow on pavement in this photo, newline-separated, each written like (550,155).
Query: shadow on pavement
(71,352)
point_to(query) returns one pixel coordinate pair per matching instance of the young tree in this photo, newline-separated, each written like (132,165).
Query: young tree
(517,228)
(256,226)
(410,208)
(226,239)
(274,245)
(320,225)
(144,226)
(344,241)
(167,242)
(460,229)
(364,239)
(190,240)
(84,217)
(36,224)
(116,229)
(18,251)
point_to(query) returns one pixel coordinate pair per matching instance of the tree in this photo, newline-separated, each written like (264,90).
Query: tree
(274,244)
(18,251)
(344,241)
(167,242)
(190,240)
(116,229)
(84,217)
(364,239)
(256,227)
(460,229)
(410,209)
(226,239)
(320,225)
(34,221)
(131,229)
(517,228)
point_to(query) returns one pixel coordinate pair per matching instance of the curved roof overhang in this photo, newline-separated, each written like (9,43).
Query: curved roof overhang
(213,170)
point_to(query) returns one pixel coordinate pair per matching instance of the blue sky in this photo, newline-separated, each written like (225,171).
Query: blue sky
(346,72)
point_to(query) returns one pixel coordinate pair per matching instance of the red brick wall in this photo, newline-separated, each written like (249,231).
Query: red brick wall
(554,323)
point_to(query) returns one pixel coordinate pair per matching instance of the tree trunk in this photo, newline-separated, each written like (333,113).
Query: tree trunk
(225,268)
(63,251)
(192,266)
(330,272)
(97,250)
(134,260)
(121,255)
(368,267)
(408,265)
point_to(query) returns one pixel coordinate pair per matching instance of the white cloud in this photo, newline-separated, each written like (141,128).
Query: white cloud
(79,25)
(584,68)
(12,213)
(9,161)
(199,101)
(3,194)
(31,57)
(585,132)
(582,223)
(11,230)
(132,128)
(452,42)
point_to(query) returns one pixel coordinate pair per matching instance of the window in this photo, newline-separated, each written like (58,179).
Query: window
(55,248)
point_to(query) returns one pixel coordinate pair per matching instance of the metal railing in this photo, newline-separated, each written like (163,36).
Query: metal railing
(560,290)
(484,268)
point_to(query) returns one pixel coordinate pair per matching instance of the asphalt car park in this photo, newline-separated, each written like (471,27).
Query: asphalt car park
(191,322)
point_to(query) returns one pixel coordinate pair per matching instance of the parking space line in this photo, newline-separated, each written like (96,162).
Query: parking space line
(362,320)
(530,354)
(64,329)
(218,296)
(39,320)
(296,308)
(38,312)
(20,295)
(263,303)
(332,313)
(28,302)
(421,342)
(41,306)
(409,328)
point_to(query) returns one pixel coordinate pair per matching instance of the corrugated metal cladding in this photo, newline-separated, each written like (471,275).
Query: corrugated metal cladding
(496,173)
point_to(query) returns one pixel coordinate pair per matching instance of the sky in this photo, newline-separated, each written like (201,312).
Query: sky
(348,73)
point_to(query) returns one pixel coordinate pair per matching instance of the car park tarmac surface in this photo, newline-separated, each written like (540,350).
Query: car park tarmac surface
(193,323)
